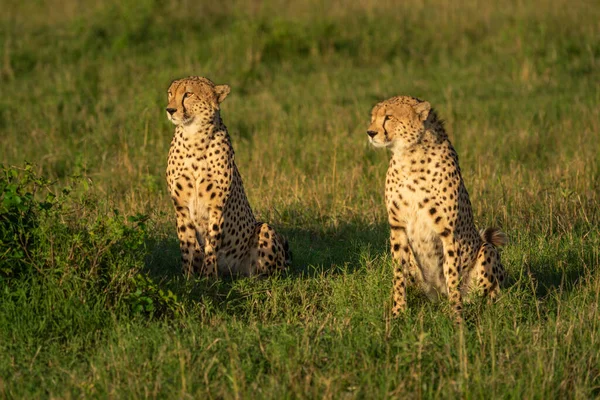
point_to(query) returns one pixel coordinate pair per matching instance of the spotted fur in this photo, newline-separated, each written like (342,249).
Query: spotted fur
(217,231)
(433,238)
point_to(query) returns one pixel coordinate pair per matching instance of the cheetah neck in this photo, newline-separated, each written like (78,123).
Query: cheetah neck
(428,139)
(401,146)
(198,135)
(434,130)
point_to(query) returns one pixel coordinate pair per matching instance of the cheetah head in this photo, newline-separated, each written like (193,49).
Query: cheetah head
(194,99)
(398,122)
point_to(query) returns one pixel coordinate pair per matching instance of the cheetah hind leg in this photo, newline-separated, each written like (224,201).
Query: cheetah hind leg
(270,252)
(488,274)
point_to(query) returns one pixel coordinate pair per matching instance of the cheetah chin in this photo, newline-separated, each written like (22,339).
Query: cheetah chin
(378,144)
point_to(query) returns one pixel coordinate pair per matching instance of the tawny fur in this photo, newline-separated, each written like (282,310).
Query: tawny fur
(433,238)
(217,231)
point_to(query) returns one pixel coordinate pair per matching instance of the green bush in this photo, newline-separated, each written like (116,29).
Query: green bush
(62,238)
(19,217)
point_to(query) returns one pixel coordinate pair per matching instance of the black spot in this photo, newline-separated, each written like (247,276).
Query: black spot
(432,210)
(396,247)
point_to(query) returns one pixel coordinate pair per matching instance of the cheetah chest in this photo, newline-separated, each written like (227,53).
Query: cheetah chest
(423,239)
(427,249)
(189,186)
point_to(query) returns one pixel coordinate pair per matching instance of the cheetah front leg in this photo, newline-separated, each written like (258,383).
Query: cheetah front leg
(401,255)
(212,241)
(451,269)
(191,251)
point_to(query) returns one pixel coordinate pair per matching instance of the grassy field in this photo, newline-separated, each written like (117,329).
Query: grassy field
(92,301)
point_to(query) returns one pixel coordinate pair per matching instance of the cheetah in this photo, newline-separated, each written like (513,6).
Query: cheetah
(218,233)
(434,242)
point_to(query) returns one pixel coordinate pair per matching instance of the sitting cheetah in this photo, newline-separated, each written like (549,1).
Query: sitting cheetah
(217,231)
(433,238)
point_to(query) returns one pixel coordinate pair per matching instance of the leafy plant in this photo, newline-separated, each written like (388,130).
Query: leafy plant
(20,210)
(147,298)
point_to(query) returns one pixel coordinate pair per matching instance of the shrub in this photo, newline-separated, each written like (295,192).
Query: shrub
(65,238)
(19,217)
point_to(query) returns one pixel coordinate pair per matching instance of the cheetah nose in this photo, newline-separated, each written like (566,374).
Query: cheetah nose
(371,133)
(171,111)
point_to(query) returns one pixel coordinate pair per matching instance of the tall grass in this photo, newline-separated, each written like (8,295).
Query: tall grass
(103,310)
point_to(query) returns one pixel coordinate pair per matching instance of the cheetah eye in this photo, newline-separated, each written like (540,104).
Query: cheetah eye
(169,94)
(387,118)
(187,94)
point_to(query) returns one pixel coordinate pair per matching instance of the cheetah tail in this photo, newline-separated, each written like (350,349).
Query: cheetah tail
(494,236)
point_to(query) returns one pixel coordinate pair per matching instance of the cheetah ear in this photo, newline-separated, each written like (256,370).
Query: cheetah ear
(222,91)
(422,109)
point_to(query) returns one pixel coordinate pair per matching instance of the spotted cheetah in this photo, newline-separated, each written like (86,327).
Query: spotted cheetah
(217,231)
(434,241)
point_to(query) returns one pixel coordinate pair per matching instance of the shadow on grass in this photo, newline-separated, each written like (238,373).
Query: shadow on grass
(314,252)
(344,249)
(331,251)
(557,272)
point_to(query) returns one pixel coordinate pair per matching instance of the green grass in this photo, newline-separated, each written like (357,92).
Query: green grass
(86,311)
